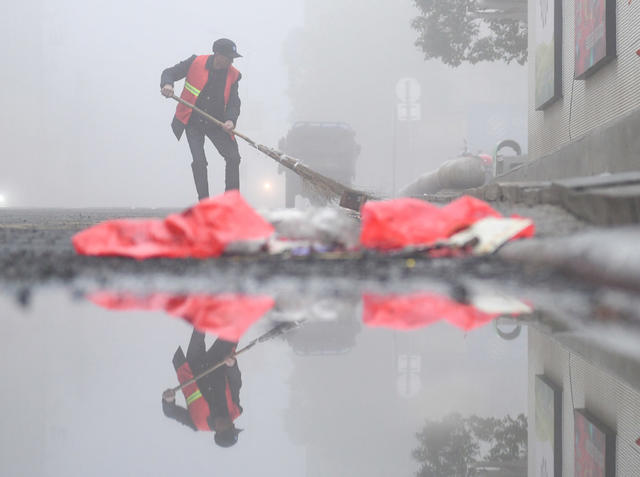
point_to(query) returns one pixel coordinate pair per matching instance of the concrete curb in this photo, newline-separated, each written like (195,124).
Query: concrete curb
(606,257)
(612,199)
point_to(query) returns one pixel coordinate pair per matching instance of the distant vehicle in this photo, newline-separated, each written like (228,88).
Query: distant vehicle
(319,338)
(329,148)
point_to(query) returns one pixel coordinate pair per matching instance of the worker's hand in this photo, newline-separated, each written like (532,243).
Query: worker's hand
(228,126)
(169,395)
(230,361)
(167,90)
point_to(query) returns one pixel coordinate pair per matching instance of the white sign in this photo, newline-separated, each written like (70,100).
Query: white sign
(409,112)
(409,383)
(408,90)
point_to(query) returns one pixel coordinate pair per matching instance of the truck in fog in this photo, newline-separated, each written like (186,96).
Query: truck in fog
(329,148)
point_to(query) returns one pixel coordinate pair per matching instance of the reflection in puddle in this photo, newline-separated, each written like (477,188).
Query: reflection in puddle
(229,316)
(348,384)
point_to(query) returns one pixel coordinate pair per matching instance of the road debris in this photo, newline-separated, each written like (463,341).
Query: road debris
(228,225)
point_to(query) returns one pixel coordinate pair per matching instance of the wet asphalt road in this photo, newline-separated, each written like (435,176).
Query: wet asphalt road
(36,252)
(35,249)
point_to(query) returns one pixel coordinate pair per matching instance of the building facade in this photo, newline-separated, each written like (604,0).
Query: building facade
(591,125)
(586,378)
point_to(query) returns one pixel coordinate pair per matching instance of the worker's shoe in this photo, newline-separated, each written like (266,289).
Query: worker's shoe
(232,174)
(201,180)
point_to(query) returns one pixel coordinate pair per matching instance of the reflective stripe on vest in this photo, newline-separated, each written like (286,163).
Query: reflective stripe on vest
(197,405)
(197,78)
(192,89)
(193,397)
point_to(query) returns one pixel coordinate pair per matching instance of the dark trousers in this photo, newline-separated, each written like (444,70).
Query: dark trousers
(228,149)
(200,358)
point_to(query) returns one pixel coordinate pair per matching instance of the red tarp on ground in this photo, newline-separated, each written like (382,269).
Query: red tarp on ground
(399,223)
(200,232)
(227,316)
(408,312)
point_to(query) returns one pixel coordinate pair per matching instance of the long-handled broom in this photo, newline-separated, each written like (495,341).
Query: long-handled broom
(278,330)
(349,198)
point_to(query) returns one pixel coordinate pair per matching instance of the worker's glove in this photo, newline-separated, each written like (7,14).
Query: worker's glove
(167,90)
(228,126)
(169,395)
(230,361)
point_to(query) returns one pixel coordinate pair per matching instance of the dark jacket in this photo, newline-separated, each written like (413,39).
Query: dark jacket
(212,387)
(211,98)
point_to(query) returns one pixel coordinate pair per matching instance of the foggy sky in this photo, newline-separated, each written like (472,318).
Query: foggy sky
(84,123)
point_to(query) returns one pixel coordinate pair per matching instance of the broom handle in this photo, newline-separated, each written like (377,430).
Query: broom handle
(214,120)
(212,368)
(269,334)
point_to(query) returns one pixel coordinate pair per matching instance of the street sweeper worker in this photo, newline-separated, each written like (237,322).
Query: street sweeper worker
(212,85)
(213,401)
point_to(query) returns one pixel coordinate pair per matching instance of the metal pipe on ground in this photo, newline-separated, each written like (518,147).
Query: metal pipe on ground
(460,173)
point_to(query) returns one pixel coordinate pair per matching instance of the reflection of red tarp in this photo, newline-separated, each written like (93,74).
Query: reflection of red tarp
(408,312)
(399,223)
(201,231)
(226,316)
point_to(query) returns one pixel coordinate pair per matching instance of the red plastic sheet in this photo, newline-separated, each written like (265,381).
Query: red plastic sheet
(227,316)
(200,232)
(408,312)
(399,223)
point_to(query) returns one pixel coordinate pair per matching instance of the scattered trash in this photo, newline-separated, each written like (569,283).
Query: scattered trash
(202,231)
(328,226)
(227,316)
(228,225)
(404,223)
(487,235)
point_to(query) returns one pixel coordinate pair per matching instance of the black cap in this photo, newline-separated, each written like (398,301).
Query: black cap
(227,438)
(226,47)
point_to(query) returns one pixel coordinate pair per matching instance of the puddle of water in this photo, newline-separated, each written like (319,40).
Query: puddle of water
(347,391)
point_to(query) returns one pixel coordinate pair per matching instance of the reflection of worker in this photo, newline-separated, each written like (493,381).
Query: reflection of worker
(211,85)
(213,401)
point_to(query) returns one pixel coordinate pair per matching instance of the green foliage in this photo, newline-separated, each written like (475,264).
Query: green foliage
(446,447)
(449,446)
(453,32)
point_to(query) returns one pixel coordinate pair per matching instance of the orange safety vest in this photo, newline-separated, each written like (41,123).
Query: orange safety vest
(198,406)
(197,78)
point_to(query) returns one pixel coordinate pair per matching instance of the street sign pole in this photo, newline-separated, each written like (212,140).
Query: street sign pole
(407,110)
(394,152)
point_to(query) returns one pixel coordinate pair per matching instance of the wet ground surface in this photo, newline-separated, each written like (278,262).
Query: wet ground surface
(382,358)
(36,249)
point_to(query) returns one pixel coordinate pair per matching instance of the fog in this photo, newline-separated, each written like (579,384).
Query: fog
(84,124)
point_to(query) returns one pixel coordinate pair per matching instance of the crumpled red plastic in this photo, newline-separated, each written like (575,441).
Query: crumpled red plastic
(399,223)
(408,312)
(227,316)
(202,231)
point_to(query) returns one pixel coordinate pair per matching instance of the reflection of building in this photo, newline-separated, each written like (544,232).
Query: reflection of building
(590,126)
(606,384)
(356,413)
